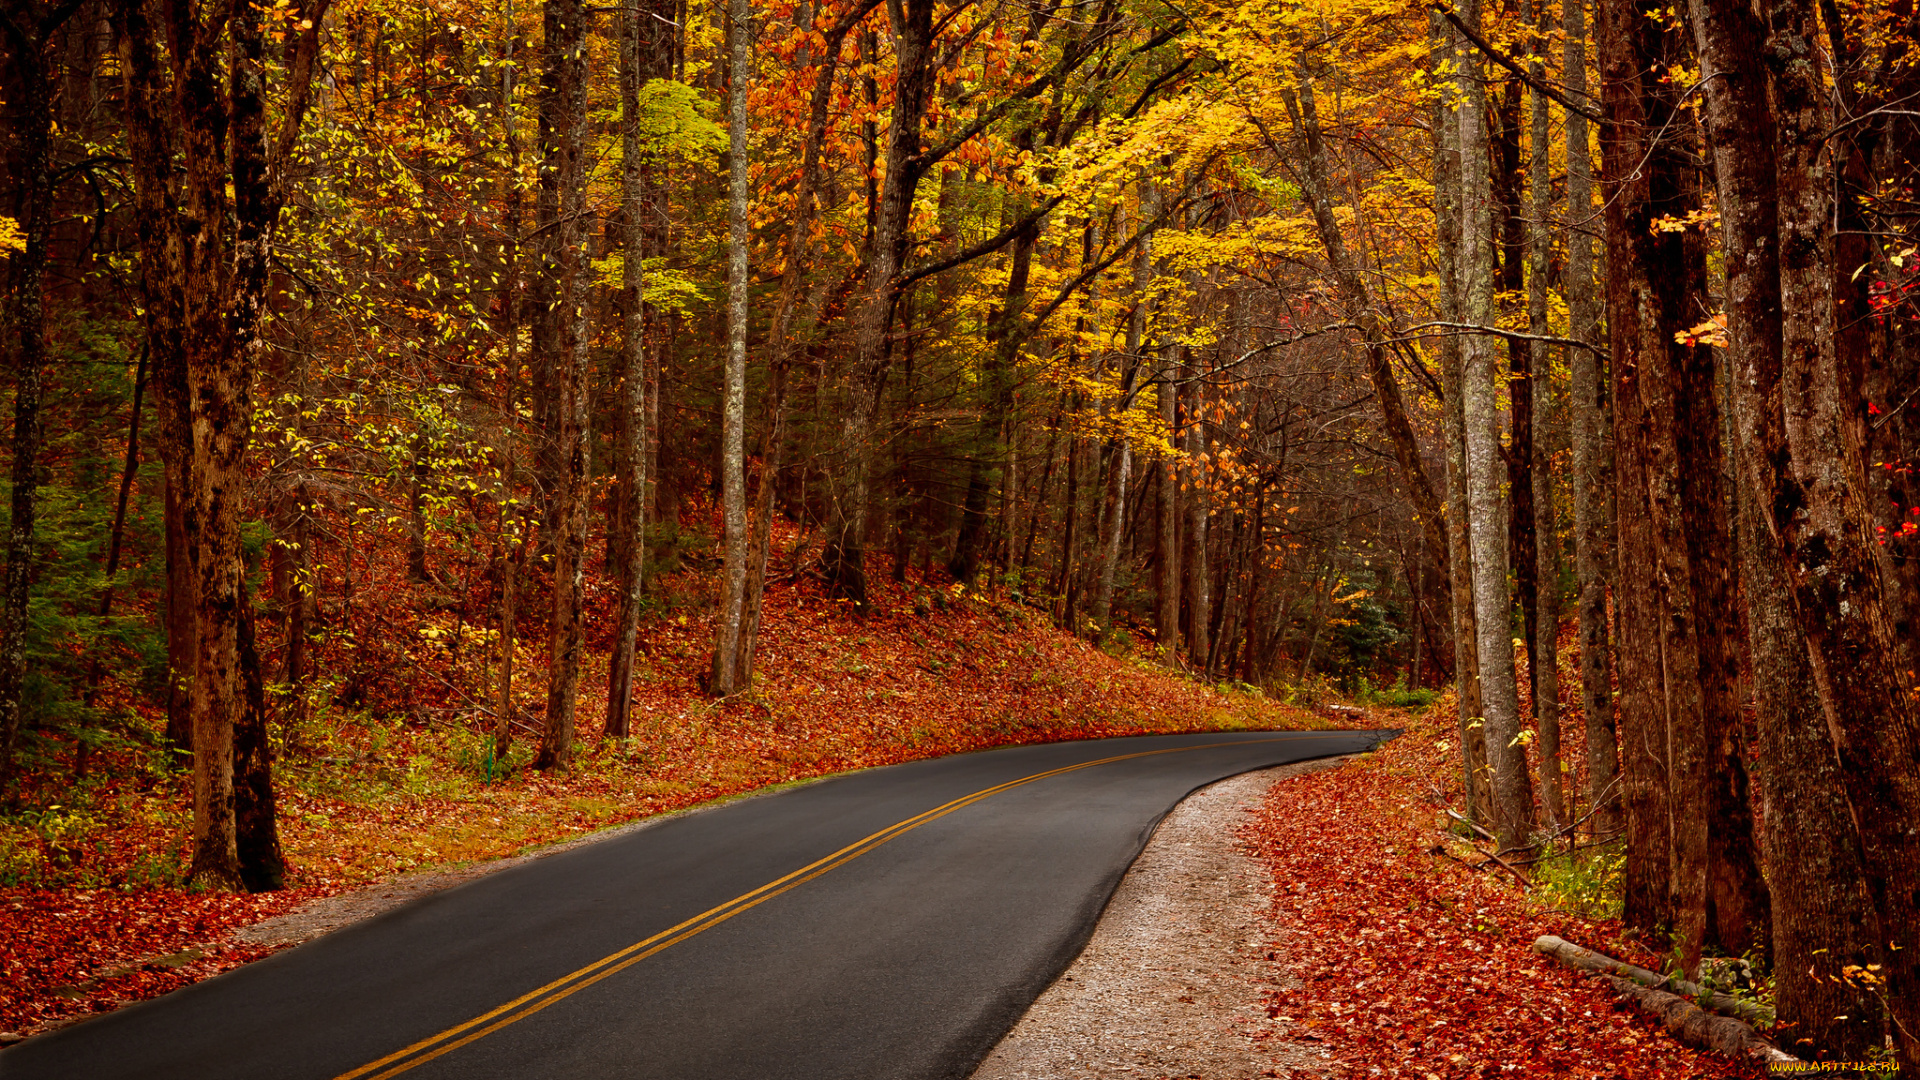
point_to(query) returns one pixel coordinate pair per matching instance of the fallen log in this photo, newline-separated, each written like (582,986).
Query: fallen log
(1697,1027)
(1587,960)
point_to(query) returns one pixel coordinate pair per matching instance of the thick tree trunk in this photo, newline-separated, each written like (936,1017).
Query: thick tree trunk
(150,144)
(208,197)
(1811,481)
(1822,916)
(1640,709)
(1716,890)
(1509,180)
(263,867)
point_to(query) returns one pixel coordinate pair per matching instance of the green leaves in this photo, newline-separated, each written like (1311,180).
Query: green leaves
(672,122)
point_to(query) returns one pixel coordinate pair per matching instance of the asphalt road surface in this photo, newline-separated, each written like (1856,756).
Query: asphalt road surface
(888,923)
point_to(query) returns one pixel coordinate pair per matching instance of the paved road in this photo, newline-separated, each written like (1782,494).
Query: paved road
(887,923)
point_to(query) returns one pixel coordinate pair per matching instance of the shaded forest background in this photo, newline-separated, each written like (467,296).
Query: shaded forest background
(392,357)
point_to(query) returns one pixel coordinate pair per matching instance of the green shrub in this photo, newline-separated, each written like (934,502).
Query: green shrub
(1589,882)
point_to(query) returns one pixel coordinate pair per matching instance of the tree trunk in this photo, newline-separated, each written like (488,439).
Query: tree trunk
(560,335)
(1476,789)
(1195,558)
(1640,710)
(733,411)
(778,338)
(263,867)
(207,231)
(1588,421)
(1822,915)
(1512,788)
(511,557)
(1810,480)
(23,337)
(1510,177)
(1166,522)
(627,545)
(843,559)
(1543,647)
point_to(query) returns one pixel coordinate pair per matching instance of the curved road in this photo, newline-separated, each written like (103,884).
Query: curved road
(887,923)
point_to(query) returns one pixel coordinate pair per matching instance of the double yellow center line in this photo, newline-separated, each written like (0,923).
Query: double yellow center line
(567,985)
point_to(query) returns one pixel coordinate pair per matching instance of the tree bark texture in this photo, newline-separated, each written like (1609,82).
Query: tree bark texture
(1543,650)
(560,336)
(1588,422)
(844,558)
(1822,916)
(733,408)
(1640,709)
(1475,786)
(1500,707)
(1811,479)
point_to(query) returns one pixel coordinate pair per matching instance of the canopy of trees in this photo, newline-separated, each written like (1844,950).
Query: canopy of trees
(1563,352)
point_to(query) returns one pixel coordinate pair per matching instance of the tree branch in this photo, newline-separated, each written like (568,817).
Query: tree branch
(1507,62)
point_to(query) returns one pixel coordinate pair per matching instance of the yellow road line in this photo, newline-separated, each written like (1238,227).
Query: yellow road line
(567,985)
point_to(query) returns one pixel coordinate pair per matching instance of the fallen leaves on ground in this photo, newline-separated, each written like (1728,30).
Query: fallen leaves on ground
(1401,963)
(71,953)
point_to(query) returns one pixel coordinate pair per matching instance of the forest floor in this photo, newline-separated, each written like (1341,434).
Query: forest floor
(1408,963)
(1399,961)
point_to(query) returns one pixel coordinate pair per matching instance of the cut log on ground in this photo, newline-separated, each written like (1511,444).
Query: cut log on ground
(1697,1027)
(1587,960)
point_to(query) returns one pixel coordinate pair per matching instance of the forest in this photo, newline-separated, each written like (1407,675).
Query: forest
(387,355)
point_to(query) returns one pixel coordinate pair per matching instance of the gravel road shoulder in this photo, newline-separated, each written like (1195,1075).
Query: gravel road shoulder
(1170,984)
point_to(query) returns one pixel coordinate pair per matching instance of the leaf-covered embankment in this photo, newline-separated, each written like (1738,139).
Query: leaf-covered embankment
(1413,965)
